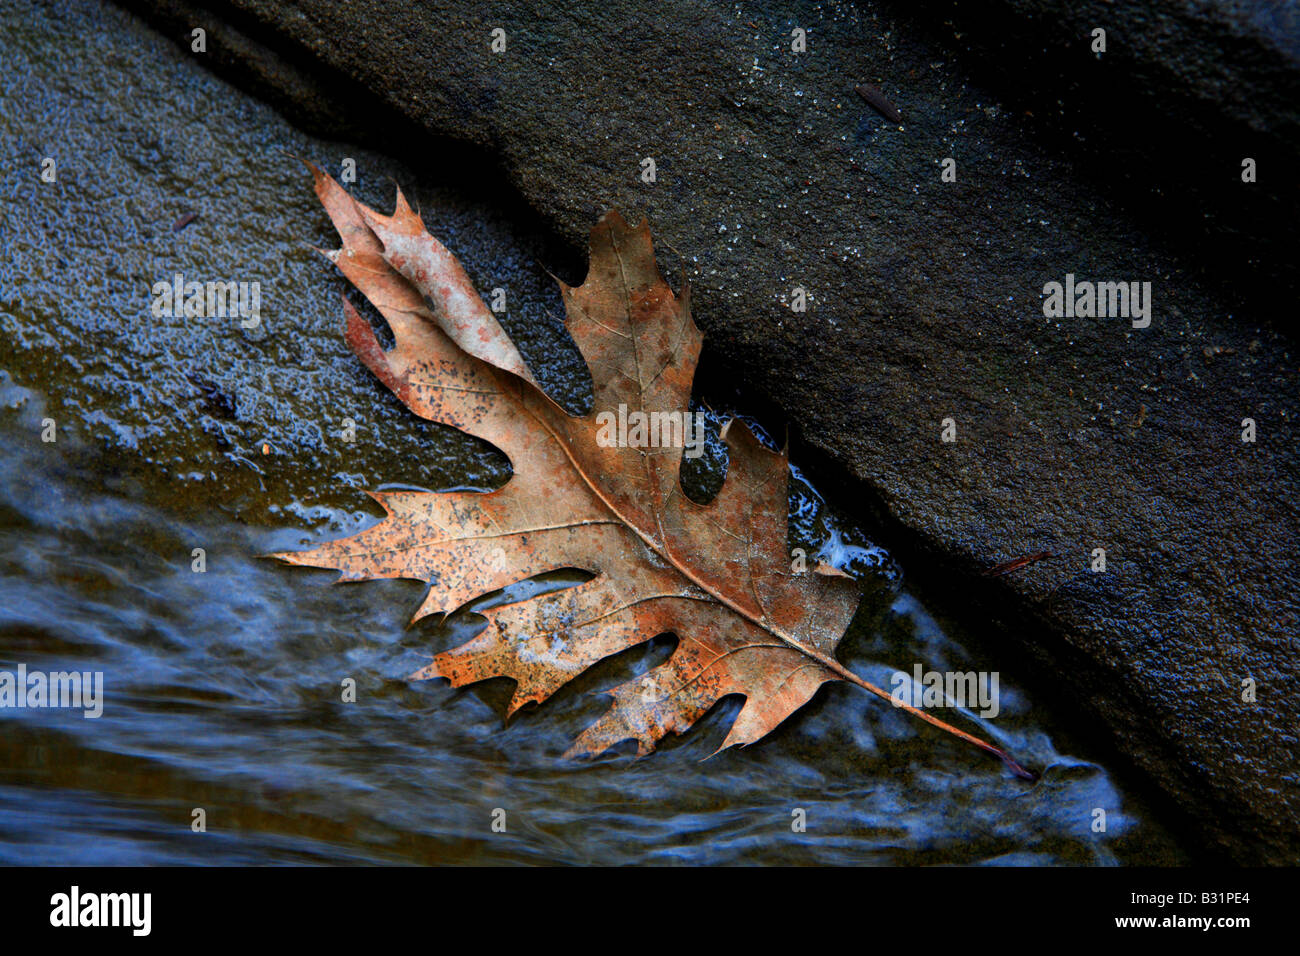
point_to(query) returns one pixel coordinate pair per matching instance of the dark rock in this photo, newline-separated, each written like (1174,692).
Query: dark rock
(1162,119)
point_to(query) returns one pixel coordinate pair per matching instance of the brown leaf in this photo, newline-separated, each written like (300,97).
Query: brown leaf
(718,575)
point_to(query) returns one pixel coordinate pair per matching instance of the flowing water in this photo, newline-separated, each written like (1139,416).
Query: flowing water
(223,687)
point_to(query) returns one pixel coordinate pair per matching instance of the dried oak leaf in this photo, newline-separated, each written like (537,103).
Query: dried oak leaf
(716,575)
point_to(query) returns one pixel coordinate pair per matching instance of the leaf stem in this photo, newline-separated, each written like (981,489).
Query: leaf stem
(984,745)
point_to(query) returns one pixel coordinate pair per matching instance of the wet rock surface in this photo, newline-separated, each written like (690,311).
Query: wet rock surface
(169,175)
(924,304)
(1159,120)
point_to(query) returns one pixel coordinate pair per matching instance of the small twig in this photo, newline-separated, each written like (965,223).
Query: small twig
(1015,564)
(878,101)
